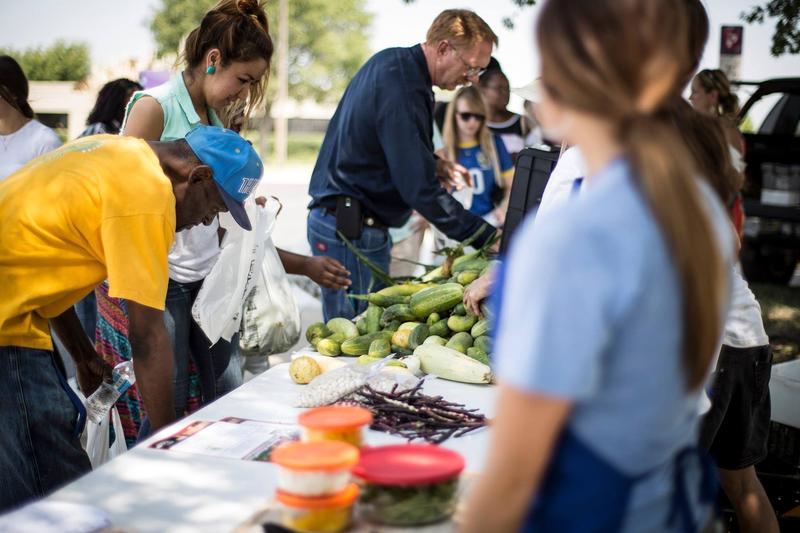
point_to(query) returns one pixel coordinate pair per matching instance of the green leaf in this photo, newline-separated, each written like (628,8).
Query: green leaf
(377,271)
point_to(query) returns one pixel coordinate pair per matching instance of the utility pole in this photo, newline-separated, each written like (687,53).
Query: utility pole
(280,110)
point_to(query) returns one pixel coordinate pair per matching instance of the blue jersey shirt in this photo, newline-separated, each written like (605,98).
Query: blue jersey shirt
(591,311)
(378,148)
(484,182)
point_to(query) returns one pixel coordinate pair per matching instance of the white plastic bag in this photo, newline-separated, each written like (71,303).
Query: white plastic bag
(271,322)
(218,306)
(98,436)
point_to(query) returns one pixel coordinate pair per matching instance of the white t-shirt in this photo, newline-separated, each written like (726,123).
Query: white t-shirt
(559,188)
(194,252)
(744,327)
(29,142)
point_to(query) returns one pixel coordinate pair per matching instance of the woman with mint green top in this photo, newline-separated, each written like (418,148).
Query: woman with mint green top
(226,64)
(226,61)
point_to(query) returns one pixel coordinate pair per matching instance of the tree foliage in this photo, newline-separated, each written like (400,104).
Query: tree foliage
(61,61)
(786,13)
(328,40)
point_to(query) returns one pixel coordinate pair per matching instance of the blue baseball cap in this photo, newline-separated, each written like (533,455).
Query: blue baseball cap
(234,163)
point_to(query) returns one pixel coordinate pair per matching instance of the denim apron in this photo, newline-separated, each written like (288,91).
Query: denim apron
(584,493)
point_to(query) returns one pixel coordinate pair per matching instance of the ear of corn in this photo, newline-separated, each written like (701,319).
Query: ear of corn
(450,364)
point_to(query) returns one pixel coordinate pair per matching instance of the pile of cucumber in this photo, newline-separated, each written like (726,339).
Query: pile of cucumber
(403,317)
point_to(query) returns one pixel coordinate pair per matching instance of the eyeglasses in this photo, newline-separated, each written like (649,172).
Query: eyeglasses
(471,71)
(466,117)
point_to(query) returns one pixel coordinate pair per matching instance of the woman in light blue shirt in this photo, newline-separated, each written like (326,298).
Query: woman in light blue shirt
(611,306)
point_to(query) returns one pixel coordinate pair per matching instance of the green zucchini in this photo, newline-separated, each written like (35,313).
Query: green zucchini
(440,328)
(372,318)
(468,276)
(436,299)
(460,323)
(399,350)
(379,348)
(402,312)
(317,330)
(343,326)
(418,336)
(392,326)
(480,328)
(460,342)
(475,263)
(484,342)
(360,345)
(329,347)
(435,339)
(478,355)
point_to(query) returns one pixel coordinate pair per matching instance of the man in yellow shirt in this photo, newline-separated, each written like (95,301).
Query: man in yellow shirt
(102,207)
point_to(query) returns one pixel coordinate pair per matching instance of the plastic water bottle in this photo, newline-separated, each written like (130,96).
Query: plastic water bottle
(102,400)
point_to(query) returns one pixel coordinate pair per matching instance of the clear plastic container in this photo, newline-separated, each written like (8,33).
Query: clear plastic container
(408,485)
(102,400)
(314,469)
(329,514)
(343,423)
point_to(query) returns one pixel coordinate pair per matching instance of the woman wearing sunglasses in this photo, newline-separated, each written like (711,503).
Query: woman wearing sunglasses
(468,142)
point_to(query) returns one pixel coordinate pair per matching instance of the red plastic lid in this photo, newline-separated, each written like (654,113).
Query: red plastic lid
(408,464)
(335,417)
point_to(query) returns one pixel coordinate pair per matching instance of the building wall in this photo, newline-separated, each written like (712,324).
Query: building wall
(60,97)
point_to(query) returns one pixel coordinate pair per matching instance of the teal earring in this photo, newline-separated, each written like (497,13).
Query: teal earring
(211,69)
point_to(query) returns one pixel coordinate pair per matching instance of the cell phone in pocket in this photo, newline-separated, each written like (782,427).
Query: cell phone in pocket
(349,219)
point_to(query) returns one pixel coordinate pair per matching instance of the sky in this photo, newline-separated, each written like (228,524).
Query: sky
(116,30)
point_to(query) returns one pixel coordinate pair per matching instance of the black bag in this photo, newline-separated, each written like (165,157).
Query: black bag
(531,173)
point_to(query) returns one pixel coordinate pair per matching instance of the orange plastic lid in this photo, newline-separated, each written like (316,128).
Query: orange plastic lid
(341,499)
(322,455)
(335,417)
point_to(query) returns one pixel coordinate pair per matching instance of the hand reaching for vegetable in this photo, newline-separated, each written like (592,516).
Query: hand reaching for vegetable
(477,291)
(327,272)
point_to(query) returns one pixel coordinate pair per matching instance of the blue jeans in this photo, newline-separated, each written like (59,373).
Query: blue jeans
(189,341)
(40,447)
(373,243)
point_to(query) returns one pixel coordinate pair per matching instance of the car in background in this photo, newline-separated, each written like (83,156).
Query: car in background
(770,123)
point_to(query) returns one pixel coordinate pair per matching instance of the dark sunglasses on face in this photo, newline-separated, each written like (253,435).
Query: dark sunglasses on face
(466,117)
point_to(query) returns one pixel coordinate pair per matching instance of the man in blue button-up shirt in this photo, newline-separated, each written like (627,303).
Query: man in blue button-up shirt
(378,151)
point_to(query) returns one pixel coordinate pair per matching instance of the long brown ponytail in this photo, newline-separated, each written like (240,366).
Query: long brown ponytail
(618,60)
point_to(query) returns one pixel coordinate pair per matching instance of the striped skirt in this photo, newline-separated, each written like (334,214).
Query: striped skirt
(111,342)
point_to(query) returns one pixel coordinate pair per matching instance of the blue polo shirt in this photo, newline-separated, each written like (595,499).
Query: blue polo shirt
(378,148)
